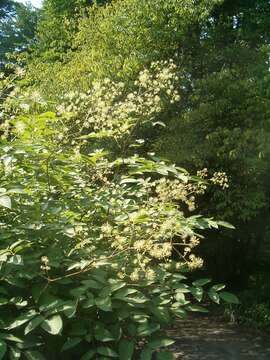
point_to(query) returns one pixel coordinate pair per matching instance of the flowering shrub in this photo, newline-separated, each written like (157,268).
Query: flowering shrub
(87,236)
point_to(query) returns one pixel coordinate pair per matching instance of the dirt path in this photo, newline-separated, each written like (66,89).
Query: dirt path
(207,338)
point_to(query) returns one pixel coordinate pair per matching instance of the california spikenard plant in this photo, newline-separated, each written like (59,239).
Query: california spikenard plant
(87,235)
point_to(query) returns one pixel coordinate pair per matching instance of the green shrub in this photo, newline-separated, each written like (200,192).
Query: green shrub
(87,235)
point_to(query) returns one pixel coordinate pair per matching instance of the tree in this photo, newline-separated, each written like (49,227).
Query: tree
(17,29)
(6,8)
(57,27)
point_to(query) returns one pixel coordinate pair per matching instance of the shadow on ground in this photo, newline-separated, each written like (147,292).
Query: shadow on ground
(206,338)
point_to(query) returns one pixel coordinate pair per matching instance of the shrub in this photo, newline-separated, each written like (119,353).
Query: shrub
(87,235)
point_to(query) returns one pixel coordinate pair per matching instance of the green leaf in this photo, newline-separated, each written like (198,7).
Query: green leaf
(34,355)
(22,319)
(225,224)
(14,353)
(70,308)
(197,292)
(5,201)
(116,285)
(165,355)
(161,313)
(15,260)
(102,334)
(3,301)
(33,324)
(126,349)
(106,351)
(89,355)
(10,337)
(162,342)
(3,349)
(89,302)
(104,304)
(146,354)
(147,329)
(214,296)
(180,298)
(71,343)
(48,302)
(179,312)
(218,287)
(132,329)
(93,284)
(229,297)
(201,282)
(53,325)
(123,293)
(181,287)
(196,308)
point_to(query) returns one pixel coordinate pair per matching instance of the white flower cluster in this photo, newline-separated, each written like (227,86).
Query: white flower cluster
(220,178)
(153,230)
(110,110)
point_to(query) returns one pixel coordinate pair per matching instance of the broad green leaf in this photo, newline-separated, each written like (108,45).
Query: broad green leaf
(34,355)
(107,351)
(33,324)
(116,285)
(214,296)
(146,354)
(5,201)
(179,312)
(218,287)
(147,329)
(123,293)
(225,224)
(165,355)
(22,319)
(70,308)
(53,325)
(71,343)
(10,337)
(180,298)
(93,284)
(132,329)
(197,292)
(89,355)
(104,304)
(201,282)
(103,334)
(162,342)
(126,349)
(180,287)
(161,313)
(3,349)
(48,302)
(229,297)
(196,308)
(89,302)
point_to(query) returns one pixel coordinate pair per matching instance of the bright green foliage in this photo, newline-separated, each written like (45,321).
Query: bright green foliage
(221,50)
(87,235)
(57,27)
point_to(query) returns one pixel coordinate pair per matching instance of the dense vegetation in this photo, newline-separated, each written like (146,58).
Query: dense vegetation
(104,234)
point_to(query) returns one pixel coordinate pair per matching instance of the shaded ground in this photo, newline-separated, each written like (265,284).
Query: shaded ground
(206,338)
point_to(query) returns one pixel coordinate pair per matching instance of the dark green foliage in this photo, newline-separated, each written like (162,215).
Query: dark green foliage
(17,29)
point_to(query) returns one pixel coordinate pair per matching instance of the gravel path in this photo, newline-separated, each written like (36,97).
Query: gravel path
(207,338)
